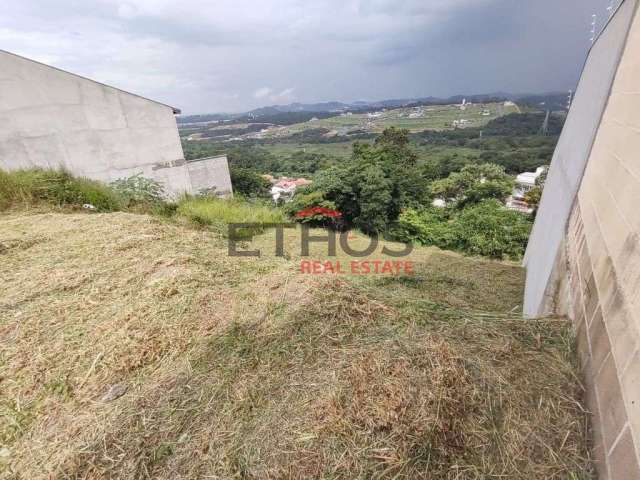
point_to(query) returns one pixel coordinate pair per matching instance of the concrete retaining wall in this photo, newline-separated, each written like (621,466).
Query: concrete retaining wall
(54,119)
(203,170)
(595,267)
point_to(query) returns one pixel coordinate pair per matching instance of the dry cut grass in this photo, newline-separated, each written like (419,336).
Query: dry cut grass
(243,368)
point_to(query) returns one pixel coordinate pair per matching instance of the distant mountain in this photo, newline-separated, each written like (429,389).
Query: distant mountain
(552,101)
(263,111)
(204,118)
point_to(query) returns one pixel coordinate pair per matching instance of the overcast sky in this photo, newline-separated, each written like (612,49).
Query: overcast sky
(234,55)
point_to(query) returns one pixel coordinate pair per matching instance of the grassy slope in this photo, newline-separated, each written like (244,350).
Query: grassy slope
(244,368)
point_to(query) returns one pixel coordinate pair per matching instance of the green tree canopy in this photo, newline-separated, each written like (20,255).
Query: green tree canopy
(249,183)
(379,181)
(486,228)
(473,184)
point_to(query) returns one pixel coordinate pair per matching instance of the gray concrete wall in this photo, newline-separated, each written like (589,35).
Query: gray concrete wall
(569,162)
(595,268)
(54,119)
(202,172)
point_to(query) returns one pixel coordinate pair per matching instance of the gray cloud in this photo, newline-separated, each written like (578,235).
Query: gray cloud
(230,56)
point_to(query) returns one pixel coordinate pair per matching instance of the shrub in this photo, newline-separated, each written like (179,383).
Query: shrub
(486,229)
(138,191)
(56,187)
(249,183)
(489,229)
(218,214)
(426,227)
(473,184)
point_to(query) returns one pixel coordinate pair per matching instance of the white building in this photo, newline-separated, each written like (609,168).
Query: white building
(285,188)
(525,182)
(460,123)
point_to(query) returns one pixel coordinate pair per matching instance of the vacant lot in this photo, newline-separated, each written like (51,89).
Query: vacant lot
(133,348)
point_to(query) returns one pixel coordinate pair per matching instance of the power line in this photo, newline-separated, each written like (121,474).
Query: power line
(613,5)
(544,130)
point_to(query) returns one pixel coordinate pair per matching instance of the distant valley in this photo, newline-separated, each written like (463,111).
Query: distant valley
(553,101)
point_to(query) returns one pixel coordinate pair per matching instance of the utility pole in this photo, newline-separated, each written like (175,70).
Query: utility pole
(544,130)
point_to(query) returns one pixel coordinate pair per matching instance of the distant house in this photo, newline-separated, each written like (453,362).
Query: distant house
(460,123)
(285,188)
(59,120)
(525,182)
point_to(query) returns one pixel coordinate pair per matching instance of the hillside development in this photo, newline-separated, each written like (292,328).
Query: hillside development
(330,125)
(136,347)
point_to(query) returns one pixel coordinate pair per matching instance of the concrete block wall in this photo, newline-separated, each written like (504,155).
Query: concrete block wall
(598,261)
(607,340)
(54,119)
(603,249)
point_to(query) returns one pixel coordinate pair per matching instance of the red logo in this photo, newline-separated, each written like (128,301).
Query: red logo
(312,211)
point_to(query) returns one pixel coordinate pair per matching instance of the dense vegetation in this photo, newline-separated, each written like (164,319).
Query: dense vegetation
(485,228)
(472,184)
(247,182)
(377,183)
(384,190)
(387,185)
